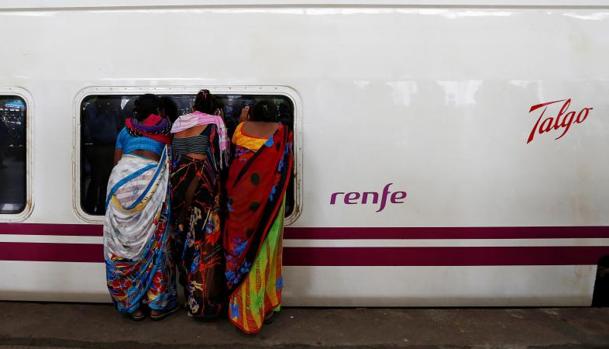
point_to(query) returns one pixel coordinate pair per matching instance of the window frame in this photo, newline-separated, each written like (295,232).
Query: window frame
(29,111)
(257,90)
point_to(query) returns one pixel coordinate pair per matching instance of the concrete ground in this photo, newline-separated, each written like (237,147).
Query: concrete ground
(54,325)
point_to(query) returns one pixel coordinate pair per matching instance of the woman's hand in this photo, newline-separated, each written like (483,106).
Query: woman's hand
(245,114)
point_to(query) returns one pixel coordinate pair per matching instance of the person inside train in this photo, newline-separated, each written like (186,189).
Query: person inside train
(168,108)
(236,109)
(139,266)
(101,125)
(4,142)
(286,114)
(200,152)
(256,186)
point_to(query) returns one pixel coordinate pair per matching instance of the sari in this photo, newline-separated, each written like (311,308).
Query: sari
(196,193)
(255,189)
(139,267)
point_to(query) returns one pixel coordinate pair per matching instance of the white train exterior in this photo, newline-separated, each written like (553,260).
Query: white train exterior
(438,112)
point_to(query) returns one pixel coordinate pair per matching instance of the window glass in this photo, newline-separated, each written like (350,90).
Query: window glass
(12,154)
(103,116)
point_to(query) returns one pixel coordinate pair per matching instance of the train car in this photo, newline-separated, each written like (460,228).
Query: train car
(448,152)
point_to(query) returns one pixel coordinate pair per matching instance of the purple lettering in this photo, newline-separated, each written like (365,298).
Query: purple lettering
(375,197)
(333,197)
(351,196)
(384,197)
(397,196)
(370,197)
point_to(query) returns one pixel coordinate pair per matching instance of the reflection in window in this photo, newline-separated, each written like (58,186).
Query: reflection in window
(103,116)
(12,155)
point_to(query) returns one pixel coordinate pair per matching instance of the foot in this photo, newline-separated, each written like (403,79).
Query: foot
(268,319)
(159,315)
(138,315)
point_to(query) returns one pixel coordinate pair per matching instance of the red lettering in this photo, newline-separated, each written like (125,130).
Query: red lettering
(550,123)
(584,111)
(566,126)
(532,134)
(563,109)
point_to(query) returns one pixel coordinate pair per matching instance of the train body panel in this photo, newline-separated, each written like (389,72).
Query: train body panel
(448,153)
(333,286)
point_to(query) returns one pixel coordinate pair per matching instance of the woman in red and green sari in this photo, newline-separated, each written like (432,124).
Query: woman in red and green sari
(258,177)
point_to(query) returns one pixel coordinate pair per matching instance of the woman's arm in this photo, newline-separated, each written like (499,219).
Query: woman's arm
(118,146)
(118,153)
(215,149)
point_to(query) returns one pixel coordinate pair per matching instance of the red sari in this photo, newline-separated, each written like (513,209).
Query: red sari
(255,189)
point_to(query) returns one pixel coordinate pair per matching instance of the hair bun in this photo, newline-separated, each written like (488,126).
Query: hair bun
(204,102)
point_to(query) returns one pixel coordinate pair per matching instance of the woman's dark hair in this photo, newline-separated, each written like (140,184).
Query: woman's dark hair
(146,105)
(264,111)
(169,108)
(205,102)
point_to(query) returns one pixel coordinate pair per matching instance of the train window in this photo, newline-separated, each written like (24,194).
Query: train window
(103,116)
(12,154)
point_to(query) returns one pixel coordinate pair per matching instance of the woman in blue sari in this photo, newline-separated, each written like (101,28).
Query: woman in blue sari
(139,267)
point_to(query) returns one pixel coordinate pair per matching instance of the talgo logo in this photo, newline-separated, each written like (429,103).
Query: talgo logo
(370,197)
(562,121)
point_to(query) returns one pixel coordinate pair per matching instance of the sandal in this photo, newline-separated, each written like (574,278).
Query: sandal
(159,315)
(268,319)
(137,315)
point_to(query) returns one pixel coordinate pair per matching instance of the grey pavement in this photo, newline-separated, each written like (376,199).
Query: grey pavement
(56,325)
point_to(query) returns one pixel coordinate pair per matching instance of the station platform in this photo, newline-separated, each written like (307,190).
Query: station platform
(58,325)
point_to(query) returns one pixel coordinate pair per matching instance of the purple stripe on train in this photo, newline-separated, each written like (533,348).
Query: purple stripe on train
(370,197)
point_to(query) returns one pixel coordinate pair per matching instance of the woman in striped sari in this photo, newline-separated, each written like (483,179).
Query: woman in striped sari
(200,148)
(258,177)
(139,267)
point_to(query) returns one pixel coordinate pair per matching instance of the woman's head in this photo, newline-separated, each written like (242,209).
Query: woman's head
(168,109)
(264,111)
(146,105)
(205,102)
